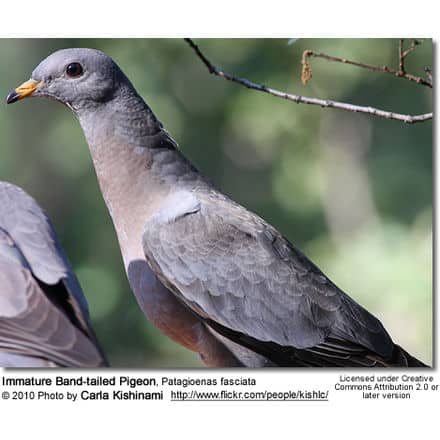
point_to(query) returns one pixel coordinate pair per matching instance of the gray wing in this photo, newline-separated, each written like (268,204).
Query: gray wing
(43,312)
(32,231)
(12,360)
(241,275)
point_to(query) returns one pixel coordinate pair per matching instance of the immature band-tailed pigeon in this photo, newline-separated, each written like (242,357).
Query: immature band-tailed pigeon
(237,291)
(44,320)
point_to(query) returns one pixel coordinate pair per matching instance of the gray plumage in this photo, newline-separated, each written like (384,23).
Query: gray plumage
(44,320)
(212,275)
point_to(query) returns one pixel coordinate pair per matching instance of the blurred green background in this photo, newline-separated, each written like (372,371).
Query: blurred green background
(354,192)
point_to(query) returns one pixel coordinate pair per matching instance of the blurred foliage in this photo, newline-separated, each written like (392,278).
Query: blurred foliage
(352,191)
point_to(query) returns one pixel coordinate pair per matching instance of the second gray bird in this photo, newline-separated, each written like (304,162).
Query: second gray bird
(212,275)
(44,319)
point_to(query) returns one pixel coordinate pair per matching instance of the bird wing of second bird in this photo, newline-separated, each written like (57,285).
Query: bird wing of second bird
(43,313)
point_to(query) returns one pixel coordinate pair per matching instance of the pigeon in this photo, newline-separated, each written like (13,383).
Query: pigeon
(44,319)
(212,275)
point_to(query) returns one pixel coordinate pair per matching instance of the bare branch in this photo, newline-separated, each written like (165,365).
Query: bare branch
(401,57)
(403,54)
(428,73)
(401,73)
(325,103)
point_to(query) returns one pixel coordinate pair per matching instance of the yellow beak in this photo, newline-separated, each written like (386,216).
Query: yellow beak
(26,89)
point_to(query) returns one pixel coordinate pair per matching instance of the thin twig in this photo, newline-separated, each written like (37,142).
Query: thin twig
(325,103)
(401,58)
(401,73)
(428,73)
(404,53)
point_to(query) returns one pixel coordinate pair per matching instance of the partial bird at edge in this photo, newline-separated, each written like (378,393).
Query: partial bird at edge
(44,319)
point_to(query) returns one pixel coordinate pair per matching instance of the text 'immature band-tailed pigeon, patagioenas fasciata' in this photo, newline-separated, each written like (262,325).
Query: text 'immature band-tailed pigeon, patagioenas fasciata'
(209,273)
(44,320)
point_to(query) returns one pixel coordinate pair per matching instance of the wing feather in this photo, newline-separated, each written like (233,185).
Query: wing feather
(32,325)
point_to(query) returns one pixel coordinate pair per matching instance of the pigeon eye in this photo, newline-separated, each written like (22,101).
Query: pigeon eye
(74,70)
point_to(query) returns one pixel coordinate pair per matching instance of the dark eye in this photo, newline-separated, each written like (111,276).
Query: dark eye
(74,70)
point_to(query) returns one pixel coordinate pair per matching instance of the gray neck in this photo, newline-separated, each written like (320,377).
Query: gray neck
(136,161)
(125,116)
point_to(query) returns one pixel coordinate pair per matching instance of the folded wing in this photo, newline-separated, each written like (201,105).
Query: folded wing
(43,312)
(254,287)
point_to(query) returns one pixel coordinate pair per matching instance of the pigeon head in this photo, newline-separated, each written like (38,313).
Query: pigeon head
(91,84)
(79,78)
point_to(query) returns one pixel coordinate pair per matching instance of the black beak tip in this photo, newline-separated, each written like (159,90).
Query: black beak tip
(12,97)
